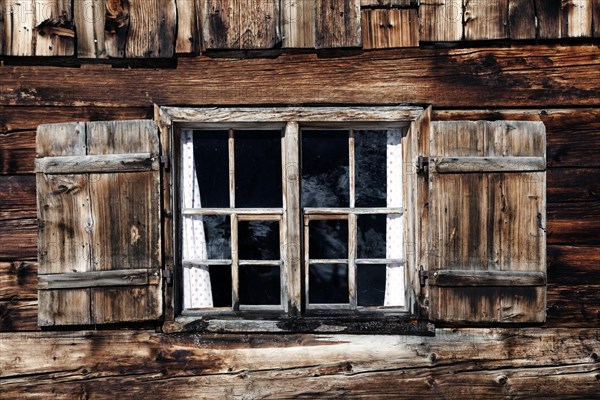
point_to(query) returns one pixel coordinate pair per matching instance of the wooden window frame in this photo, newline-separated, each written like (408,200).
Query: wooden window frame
(293,316)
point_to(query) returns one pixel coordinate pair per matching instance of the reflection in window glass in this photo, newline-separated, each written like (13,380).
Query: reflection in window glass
(220,283)
(211,156)
(328,284)
(260,285)
(258,169)
(370,152)
(370,281)
(325,179)
(217,233)
(258,240)
(328,239)
(371,236)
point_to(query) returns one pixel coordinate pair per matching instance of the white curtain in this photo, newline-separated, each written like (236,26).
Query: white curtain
(394,290)
(196,279)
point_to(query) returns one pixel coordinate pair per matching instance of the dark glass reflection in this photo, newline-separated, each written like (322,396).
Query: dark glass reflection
(258,169)
(325,180)
(258,240)
(370,149)
(371,236)
(217,233)
(328,284)
(211,156)
(220,281)
(328,239)
(370,284)
(260,285)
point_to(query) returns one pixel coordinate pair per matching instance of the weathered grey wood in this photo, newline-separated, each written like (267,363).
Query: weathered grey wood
(521,19)
(558,19)
(449,165)
(189,33)
(338,24)
(390,28)
(78,280)
(486,20)
(117,20)
(221,29)
(441,20)
(460,278)
(487,222)
(298,23)
(90,21)
(93,163)
(398,114)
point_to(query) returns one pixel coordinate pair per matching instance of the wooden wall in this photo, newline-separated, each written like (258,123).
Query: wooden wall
(556,82)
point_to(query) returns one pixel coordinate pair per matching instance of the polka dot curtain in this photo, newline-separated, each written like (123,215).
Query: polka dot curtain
(196,278)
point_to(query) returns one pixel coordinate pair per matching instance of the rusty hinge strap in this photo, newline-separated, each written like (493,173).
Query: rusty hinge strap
(423,275)
(165,161)
(422,165)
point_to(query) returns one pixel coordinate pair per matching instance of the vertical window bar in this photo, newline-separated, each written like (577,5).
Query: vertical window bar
(306,261)
(235,263)
(352,224)
(231,170)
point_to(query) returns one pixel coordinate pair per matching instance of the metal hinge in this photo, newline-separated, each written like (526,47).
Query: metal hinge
(423,276)
(165,161)
(422,165)
(168,275)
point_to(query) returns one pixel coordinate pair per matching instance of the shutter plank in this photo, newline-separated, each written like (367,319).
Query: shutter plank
(486,20)
(596,18)
(562,19)
(221,24)
(338,24)
(521,18)
(90,17)
(188,27)
(488,222)
(441,20)
(390,28)
(64,307)
(298,20)
(259,24)
(152,29)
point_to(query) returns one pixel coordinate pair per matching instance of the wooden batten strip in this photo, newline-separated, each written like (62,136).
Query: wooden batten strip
(127,277)
(446,165)
(461,278)
(134,162)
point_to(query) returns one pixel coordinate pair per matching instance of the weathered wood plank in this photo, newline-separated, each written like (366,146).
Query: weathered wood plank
(221,24)
(506,77)
(573,265)
(521,19)
(388,3)
(152,29)
(18,279)
(259,24)
(132,162)
(460,278)
(485,20)
(90,21)
(573,223)
(561,19)
(17,151)
(18,315)
(78,280)
(17,196)
(298,23)
(573,185)
(573,306)
(596,17)
(524,363)
(390,28)
(338,24)
(19,238)
(448,165)
(189,33)
(441,20)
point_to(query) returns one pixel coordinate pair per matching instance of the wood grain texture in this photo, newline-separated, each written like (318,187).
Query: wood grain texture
(152,29)
(524,363)
(563,19)
(90,20)
(485,20)
(487,222)
(189,32)
(18,280)
(36,28)
(390,28)
(441,20)
(521,19)
(506,77)
(298,23)
(596,17)
(338,24)
(388,3)
(573,265)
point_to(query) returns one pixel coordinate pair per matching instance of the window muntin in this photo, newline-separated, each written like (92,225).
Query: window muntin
(353,279)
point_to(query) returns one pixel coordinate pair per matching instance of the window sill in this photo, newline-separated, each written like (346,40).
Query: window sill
(347,324)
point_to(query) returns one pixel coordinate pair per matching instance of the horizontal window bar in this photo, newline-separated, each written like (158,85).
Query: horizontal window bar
(380,261)
(206,262)
(356,210)
(331,261)
(229,211)
(260,262)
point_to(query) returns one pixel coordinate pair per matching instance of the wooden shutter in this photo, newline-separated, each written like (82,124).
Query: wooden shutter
(99,244)
(487,243)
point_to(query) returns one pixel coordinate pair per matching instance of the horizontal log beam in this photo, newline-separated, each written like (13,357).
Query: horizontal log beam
(523,76)
(18,280)
(107,163)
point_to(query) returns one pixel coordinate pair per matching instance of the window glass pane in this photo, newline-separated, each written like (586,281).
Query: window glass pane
(328,284)
(258,169)
(370,284)
(325,180)
(220,281)
(371,236)
(258,240)
(260,285)
(328,239)
(211,156)
(217,232)
(370,149)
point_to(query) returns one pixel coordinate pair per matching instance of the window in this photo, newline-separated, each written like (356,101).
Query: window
(291,220)
(349,187)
